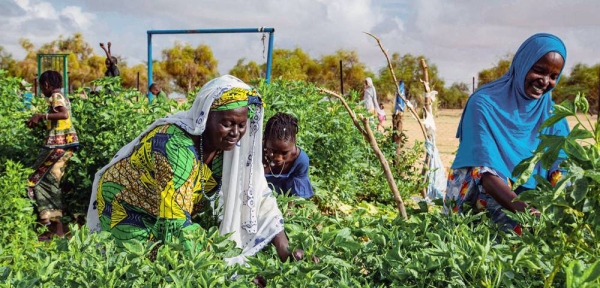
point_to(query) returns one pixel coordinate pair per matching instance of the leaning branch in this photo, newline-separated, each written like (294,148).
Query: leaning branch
(410,108)
(366,131)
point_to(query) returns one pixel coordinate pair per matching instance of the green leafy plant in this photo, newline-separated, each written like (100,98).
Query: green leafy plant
(568,222)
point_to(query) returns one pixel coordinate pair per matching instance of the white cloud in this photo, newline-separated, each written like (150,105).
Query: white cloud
(460,37)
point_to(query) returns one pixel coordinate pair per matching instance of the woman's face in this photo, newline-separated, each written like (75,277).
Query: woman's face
(225,128)
(280,151)
(542,76)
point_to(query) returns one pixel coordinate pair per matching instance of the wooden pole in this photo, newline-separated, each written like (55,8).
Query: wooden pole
(428,108)
(341,79)
(366,131)
(473,85)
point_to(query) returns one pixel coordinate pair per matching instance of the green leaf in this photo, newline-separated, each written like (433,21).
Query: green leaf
(592,174)
(574,150)
(580,133)
(592,273)
(580,189)
(524,169)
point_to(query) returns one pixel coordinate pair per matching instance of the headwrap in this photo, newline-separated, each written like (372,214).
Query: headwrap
(500,123)
(249,211)
(371,103)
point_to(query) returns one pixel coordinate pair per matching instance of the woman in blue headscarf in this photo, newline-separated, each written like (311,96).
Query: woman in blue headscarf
(500,127)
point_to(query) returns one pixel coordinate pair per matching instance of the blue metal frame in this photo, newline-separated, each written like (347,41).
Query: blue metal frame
(211,31)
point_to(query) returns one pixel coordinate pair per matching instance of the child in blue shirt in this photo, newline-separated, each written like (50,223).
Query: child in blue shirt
(286,165)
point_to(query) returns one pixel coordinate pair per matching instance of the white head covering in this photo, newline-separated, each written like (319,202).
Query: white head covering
(371,103)
(249,210)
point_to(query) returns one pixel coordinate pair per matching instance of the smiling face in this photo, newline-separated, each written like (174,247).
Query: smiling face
(542,76)
(280,151)
(225,128)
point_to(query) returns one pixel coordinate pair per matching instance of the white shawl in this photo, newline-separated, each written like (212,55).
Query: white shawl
(249,210)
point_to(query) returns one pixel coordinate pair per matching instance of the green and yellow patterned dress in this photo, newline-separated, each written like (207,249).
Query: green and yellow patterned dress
(153,193)
(49,168)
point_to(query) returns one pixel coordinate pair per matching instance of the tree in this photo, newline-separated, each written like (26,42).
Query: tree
(247,72)
(328,73)
(583,79)
(293,64)
(6,60)
(488,75)
(408,69)
(190,67)
(455,97)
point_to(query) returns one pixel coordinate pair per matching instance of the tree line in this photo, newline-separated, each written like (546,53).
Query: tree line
(184,67)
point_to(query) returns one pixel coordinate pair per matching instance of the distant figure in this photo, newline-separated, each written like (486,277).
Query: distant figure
(370,99)
(61,140)
(381,117)
(111,62)
(286,165)
(499,127)
(157,92)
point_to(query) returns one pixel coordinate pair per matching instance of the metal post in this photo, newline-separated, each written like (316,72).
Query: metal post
(473,85)
(270,57)
(598,113)
(341,79)
(39,73)
(208,31)
(138,81)
(66,76)
(149,65)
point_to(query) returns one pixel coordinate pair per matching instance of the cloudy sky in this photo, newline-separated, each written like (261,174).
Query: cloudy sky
(460,37)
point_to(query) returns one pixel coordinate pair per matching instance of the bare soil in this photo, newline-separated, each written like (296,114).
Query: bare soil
(446,122)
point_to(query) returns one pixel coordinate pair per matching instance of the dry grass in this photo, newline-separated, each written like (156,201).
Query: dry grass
(446,122)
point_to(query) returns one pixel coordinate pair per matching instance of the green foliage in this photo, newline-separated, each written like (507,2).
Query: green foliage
(15,137)
(568,223)
(488,75)
(341,159)
(455,97)
(582,79)
(408,69)
(351,225)
(104,124)
(190,67)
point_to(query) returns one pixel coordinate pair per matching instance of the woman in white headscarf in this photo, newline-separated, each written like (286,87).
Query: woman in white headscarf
(370,99)
(154,185)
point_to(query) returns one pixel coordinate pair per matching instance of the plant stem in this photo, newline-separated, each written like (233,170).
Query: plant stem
(558,263)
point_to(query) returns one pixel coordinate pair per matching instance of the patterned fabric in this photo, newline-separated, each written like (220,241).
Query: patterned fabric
(150,195)
(464,191)
(296,181)
(44,183)
(61,133)
(248,211)
(234,98)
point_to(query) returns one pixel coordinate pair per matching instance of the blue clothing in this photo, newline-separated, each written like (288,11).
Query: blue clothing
(500,124)
(295,181)
(399,107)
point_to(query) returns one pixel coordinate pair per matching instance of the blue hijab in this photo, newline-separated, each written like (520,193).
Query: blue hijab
(500,123)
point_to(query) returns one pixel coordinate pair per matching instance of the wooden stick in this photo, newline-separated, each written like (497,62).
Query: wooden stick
(368,134)
(412,111)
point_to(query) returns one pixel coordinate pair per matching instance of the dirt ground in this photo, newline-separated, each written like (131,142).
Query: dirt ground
(446,122)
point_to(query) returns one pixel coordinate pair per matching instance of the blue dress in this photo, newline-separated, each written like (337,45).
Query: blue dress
(295,181)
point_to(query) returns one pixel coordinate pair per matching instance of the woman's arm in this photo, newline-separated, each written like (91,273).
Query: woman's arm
(500,191)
